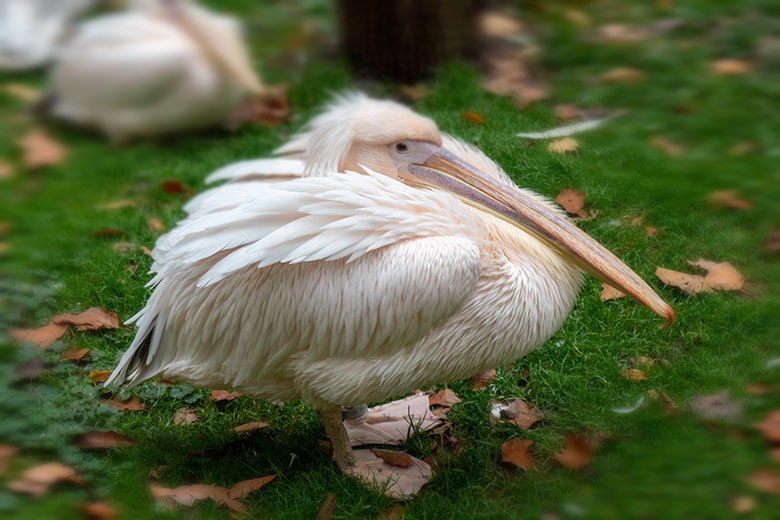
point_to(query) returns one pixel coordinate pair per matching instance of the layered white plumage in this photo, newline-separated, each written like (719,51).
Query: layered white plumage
(343,288)
(158,68)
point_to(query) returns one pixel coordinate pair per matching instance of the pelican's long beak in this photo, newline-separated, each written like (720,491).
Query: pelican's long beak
(445,171)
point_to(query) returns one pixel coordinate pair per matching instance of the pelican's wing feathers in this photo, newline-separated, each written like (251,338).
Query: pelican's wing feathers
(272,170)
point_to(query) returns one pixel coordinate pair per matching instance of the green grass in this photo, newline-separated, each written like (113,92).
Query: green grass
(653,466)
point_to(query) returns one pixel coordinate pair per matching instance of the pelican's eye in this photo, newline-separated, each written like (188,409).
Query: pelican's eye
(401,147)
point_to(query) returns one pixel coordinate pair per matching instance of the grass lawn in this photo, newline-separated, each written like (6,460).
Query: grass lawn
(652,465)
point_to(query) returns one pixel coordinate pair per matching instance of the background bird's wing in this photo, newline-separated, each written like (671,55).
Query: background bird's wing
(266,170)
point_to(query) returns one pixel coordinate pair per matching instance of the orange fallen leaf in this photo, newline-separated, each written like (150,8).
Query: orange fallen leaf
(414,92)
(480,381)
(37,480)
(473,117)
(74,355)
(687,283)
(93,318)
(22,92)
(6,452)
(515,452)
(609,293)
(633,374)
(327,508)
(155,225)
(43,336)
(577,451)
(40,149)
(131,404)
(572,201)
(445,398)
(174,187)
(184,416)
(256,425)
(145,250)
(729,67)
(98,511)
(224,395)
(728,199)
(665,145)
(565,145)
(394,458)
(622,75)
(770,426)
(6,170)
(651,231)
(521,414)
(766,480)
(758,388)
(102,440)
(243,488)
(189,495)
(565,111)
(119,204)
(99,376)
(721,276)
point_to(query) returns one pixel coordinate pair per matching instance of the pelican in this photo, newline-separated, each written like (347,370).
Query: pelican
(393,258)
(161,67)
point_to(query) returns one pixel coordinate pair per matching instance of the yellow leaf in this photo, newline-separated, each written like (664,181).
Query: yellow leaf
(564,145)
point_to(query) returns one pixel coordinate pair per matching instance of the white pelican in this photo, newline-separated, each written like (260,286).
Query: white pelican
(162,66)
(393,264)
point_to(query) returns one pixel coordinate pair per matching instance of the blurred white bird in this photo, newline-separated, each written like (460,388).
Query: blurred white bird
(161,67)
(342,288)
(30,30)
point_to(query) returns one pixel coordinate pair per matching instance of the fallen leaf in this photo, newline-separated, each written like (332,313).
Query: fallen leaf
(184,416)
(119,204)
(394,458)
(445,398)
(687,283)
(565,145)
(99,376)
(515,452)
(37,480)
(621,33)
(622,75)
(224,395)
(758,388)
(641,362)
(718,407)
(765,479)
(497,24)
(509,76)
(327,508)
(770,426)
(243,488)
(773,242)
(414,92)
(93,318)
(189,495)
(566,111)
(74,355)
(40,149)
(577,451)
(122,248)
(728,199)
(155,225)
(721,276)
(102,440)
(22,92)
(571,200)
(98,511)
(43,336)
(132,266)
(108,232)
(729,67)
(257,425)
(667,403)
(6,452)
(473,117)
(742,148)
(665,145)
(480,381)
(176,188)
(131,404)
(651,231)
(521,415)
(6,170)
(609,293)
(633,374)
(4,247)
(743,504)
(145,250)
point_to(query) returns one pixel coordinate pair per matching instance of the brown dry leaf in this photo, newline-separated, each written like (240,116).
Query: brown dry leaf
(496,24)
(727,199)
(572,201)
(521,415)
(651,231)
(119,204)
(243,488)
(577,451)
(687,283)
(22,92)
(224,395)
(6,452)
(743,504)
(256,425)
(565,145)
(174,187)
(473,117)
(122,248)
(565,111)
(610,293)
(188,495)
(480,381)
(515,452)
(98,511)
(773,242)
(718,407)
(721,276)
(633,374)
(770,426)
(74,355)
(185,416)
(622,75)
(102,440)
(155,225)
(765,479)
(108,232)
(742,148)
(131,404)
(327,508)
(667,403)
(40,149)
(93,318)
(6,170)
(37,480)
(99,376)
(414,92)
(394,458)
(145,250)
(621,33)
(509,76)
(758,388)
(43,336)
(665,145)
(445,398)
(729,67)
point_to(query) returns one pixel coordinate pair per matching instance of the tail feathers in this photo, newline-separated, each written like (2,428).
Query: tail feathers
(135,366)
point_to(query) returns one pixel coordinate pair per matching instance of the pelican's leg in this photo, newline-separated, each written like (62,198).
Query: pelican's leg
(390,423)
(342,451)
